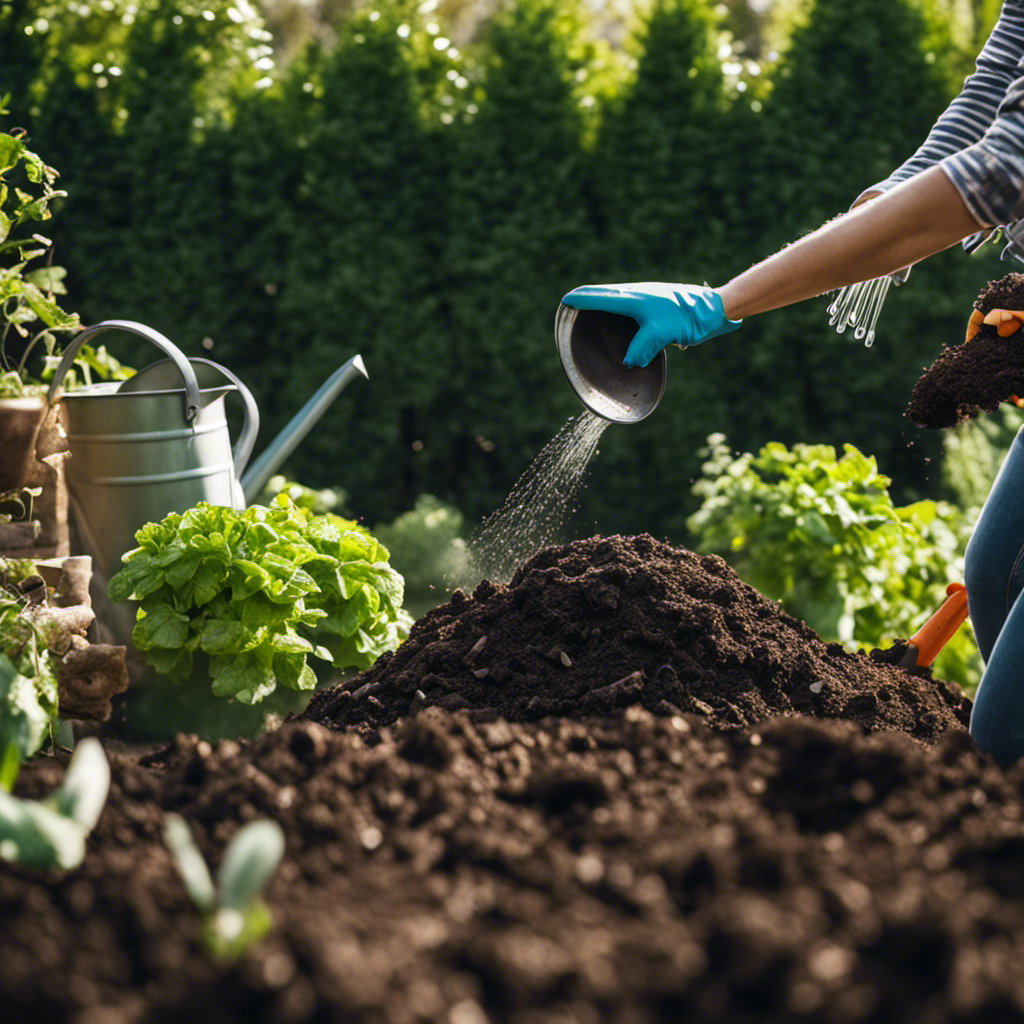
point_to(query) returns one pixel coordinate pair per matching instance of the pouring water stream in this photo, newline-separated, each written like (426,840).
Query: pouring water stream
(536,508)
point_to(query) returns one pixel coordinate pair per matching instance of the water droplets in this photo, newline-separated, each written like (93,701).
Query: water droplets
(535,510)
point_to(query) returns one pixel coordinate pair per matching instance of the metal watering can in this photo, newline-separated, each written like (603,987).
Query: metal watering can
(159,442)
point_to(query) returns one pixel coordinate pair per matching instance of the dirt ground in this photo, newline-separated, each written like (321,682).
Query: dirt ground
(623,788)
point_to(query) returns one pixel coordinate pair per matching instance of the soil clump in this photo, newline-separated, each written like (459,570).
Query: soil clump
(607,622)
(977,374)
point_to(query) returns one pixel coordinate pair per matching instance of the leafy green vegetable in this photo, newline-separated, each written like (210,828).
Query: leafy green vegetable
(234,917)
(819,532)
(258,591)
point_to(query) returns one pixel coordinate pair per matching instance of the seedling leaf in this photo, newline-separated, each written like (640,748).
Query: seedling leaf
(250,859)
(189,861)
(84,791)
(37,836)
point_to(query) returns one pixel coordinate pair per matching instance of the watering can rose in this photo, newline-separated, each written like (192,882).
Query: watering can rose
(258,591)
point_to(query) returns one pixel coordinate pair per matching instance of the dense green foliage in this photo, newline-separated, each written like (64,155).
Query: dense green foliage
(427,208)
(820,533)
(28,282)
(257,592)
(428,549)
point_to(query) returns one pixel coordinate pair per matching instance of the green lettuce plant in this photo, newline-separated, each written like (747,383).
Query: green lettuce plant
(234,917)
(258,591)
(818,531)
(51,833)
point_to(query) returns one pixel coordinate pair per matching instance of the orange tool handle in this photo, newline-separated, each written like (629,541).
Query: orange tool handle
(935,633)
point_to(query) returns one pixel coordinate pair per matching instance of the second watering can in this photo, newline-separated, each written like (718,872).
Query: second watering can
(159,442)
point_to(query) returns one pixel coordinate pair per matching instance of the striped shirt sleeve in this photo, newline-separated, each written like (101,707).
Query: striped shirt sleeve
(966,120)
(990,174)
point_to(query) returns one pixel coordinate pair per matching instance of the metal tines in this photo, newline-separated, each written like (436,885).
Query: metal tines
(858,306)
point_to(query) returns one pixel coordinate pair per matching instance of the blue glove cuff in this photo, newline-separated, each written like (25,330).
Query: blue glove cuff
(708,314)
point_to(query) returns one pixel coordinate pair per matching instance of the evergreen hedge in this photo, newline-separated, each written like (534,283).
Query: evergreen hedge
(393,197)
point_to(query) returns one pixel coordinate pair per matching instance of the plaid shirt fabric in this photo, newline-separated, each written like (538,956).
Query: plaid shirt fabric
(979,139)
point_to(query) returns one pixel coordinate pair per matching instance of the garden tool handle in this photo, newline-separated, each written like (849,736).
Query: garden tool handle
(191,404)
(926,643)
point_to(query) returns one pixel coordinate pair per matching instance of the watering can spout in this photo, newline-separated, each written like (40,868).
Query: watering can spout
(263,468)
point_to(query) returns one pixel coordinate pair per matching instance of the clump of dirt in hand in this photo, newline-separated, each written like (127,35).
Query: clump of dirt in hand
(978,374)
(607,622)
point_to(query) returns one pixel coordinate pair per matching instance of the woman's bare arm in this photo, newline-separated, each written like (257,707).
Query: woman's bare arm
(916,219)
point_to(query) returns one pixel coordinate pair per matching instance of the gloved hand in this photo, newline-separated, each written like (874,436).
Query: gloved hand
(668,314)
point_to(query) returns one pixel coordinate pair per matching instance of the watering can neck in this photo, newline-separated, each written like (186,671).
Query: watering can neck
(264,467)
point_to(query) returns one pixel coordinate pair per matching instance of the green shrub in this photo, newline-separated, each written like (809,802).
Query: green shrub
(428,550)
(319,502)
(972,454)
(359,270)
(819,532)
(428,208)
(519,237)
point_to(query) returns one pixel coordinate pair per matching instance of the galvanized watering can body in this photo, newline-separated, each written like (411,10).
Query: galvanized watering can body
(159,442)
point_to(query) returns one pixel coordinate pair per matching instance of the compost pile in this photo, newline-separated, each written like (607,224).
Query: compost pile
(608,622)
(687,828)
(979,373)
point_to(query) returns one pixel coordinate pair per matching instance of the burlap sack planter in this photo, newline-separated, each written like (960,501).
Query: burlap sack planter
(32,453)
(20,419)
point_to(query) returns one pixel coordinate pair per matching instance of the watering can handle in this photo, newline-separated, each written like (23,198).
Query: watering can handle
(191,409)
(250,427)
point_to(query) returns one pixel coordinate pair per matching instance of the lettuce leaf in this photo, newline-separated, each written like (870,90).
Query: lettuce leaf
(260,591)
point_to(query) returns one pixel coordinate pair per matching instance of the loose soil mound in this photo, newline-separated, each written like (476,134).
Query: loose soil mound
(976,375)
(607,622)
(626,868)
(684,830)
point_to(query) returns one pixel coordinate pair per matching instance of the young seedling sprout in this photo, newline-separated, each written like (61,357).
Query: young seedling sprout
(51,833)
(234,917)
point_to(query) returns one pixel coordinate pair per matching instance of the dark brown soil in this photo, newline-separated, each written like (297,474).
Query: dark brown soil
(976,375)
(649,846)
(608,622)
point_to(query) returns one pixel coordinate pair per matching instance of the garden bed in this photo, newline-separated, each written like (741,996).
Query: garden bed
(664,800)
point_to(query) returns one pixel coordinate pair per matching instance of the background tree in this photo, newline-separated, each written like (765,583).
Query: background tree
(517,240)
(427,204)
(360,272)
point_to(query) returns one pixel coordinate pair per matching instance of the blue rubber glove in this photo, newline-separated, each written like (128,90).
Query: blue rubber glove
(668,314)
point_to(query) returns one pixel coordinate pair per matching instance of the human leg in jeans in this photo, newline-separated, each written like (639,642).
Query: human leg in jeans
(994,576)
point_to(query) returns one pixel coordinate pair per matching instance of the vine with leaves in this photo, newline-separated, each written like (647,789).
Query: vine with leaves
(28,289)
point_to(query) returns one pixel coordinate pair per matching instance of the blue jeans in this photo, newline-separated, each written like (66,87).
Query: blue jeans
(994,576)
